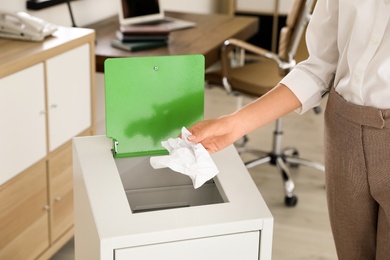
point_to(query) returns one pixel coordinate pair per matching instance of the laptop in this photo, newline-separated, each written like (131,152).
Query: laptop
(148,12)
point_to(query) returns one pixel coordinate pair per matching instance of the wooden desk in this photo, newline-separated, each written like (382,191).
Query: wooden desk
(206,38)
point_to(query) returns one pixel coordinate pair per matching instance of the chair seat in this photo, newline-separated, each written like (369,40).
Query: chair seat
(255,79)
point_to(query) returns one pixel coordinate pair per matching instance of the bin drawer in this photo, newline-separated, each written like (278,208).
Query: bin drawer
(228,247)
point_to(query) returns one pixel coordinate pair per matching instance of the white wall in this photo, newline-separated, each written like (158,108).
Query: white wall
(90,11)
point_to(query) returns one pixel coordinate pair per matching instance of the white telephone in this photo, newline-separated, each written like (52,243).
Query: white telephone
(22,26)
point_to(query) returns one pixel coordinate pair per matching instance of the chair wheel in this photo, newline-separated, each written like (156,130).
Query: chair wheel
(291,201)
(317,110)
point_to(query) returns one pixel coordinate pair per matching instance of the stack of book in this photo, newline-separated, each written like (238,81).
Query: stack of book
(140,37)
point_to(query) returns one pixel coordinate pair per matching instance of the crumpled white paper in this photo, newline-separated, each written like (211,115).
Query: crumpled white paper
(188,158)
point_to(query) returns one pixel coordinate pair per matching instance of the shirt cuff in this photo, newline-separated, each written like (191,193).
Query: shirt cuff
(304,87)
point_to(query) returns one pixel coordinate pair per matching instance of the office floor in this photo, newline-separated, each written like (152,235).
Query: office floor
(301,232)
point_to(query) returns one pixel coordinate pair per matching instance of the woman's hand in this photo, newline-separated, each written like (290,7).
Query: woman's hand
(214,134)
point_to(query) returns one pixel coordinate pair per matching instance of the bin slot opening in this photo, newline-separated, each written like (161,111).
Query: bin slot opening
(148,189)
(163,198)
(141,209)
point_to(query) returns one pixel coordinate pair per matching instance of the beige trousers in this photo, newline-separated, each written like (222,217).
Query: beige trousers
(357,163)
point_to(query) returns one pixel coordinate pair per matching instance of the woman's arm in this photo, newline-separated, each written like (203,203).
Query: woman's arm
(216,134)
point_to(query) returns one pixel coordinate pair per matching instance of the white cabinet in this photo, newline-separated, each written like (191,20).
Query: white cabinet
(281,7)
(272,16)
(23,126)
(200,6)
(46,91)
(69,95)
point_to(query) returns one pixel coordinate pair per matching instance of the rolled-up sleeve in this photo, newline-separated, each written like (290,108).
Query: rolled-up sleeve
(312,77)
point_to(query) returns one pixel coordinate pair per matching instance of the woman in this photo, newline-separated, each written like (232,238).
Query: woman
(349,56)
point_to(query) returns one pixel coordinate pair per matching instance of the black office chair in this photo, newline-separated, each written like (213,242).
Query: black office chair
(260,74)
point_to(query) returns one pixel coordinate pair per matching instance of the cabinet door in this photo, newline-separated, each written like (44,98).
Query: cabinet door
(61,191)
(23,126)
(23,215)
(69,95)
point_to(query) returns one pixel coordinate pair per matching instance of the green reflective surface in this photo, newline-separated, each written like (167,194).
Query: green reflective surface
(149,99)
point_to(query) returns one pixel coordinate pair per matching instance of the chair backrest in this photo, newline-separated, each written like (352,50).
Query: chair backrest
(291,34)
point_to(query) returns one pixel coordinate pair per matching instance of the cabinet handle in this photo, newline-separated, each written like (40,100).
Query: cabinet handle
(46,207)
(53,106)
(58,198)
(42,112)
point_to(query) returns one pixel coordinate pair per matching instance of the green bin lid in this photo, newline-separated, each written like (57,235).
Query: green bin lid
(149,99)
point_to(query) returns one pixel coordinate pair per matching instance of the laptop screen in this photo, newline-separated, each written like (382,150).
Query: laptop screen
(138,11)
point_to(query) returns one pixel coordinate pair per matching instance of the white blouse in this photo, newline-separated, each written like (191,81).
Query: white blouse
(349,46)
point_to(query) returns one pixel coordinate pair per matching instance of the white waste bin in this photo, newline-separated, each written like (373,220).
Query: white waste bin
(125,209)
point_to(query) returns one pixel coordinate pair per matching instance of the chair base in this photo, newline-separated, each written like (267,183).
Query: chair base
(280,159)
